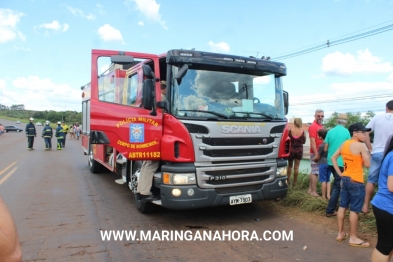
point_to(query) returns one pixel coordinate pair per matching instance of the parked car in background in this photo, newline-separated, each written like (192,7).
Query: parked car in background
(38,124)
(18,122)
(12,128)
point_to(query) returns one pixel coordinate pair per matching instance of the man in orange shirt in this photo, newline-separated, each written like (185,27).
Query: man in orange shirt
(355,156)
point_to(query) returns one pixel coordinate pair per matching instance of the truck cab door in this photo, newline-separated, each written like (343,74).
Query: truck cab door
(133,129)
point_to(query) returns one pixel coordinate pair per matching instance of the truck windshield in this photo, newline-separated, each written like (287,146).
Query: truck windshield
(227,95)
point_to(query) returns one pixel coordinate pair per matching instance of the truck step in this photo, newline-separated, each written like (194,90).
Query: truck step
(157,202)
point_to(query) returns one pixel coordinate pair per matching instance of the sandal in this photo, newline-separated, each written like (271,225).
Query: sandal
(343,238)
(362,244)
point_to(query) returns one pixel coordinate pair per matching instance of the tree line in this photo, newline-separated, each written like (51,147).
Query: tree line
(18,112)
(352,118)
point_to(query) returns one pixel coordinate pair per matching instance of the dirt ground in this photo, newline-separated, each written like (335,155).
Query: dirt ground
(329,223)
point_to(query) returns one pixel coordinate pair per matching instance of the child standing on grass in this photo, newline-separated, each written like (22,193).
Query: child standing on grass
(324,170)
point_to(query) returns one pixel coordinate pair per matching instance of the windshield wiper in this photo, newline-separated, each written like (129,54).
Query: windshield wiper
(248,114)
(205,111)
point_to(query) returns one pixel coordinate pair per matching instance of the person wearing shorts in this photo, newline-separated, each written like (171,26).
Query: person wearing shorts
(315,142)
(383,207)
(324,170)
(382,125)
(334,139)
(298,138)
(355,156)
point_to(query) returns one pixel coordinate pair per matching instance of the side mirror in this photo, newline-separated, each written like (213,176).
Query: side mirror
(148,94)
(163,105)
(181,73)
(147,72)
(286,101)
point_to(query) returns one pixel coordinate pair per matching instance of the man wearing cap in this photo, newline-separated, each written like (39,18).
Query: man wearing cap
(30,133)
(59,135)
(47,134)
(334,138)
(382,124)
(355,156)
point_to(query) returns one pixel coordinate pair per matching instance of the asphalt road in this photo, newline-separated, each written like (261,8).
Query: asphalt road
(59,208)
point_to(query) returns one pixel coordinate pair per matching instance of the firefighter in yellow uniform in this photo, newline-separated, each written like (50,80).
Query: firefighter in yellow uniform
(59,135)
(65,131)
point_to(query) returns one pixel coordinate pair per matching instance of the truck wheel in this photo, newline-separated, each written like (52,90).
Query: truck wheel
(144,206)
(94,166)
(135,173)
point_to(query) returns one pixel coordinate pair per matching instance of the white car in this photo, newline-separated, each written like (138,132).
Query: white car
(18,122)
(38,124)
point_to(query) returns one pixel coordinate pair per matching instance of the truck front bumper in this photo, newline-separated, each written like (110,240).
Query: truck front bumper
(209,197)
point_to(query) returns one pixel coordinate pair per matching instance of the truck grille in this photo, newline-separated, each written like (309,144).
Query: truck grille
(254,141)
(235,175)
(238,152)
(238,180)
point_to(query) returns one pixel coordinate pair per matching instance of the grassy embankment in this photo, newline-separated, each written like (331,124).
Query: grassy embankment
(25,121)
(298,198)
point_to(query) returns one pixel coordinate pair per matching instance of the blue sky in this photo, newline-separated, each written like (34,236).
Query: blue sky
(45,46)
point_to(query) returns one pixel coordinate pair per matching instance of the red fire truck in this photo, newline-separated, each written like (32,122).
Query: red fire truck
(219,131)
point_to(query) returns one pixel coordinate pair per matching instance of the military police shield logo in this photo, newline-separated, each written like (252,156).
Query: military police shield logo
(137,133)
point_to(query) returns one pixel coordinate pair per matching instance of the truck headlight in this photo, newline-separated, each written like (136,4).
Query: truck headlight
(281,171)
(178,179)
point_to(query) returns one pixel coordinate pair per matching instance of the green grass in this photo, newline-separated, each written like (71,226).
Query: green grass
(298,197)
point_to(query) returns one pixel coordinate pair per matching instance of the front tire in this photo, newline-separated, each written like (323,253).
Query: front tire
(94,166)
(133,179)
(143,206)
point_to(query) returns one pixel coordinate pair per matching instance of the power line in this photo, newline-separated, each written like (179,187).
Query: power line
(337,42)
(335,38)
(309,102)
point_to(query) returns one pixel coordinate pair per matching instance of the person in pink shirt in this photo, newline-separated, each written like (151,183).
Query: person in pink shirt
(315,142)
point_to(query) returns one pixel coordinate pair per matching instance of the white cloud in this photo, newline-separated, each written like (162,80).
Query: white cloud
(390,78)
(108,33)
(341,97)
(65,27)
(151,10)
(24,49)
(8,25)
(221,47)
(80,13)
(100,9)
(140,23)
(39,94)
(55,26)
(103,69)
(340,64)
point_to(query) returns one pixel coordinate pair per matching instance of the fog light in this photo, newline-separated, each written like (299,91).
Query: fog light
(176,192)
(280,183)
(190,192)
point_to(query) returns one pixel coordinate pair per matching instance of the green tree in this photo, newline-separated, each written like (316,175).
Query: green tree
(352,118)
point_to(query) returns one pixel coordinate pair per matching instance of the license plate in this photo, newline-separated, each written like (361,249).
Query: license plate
(237,200)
